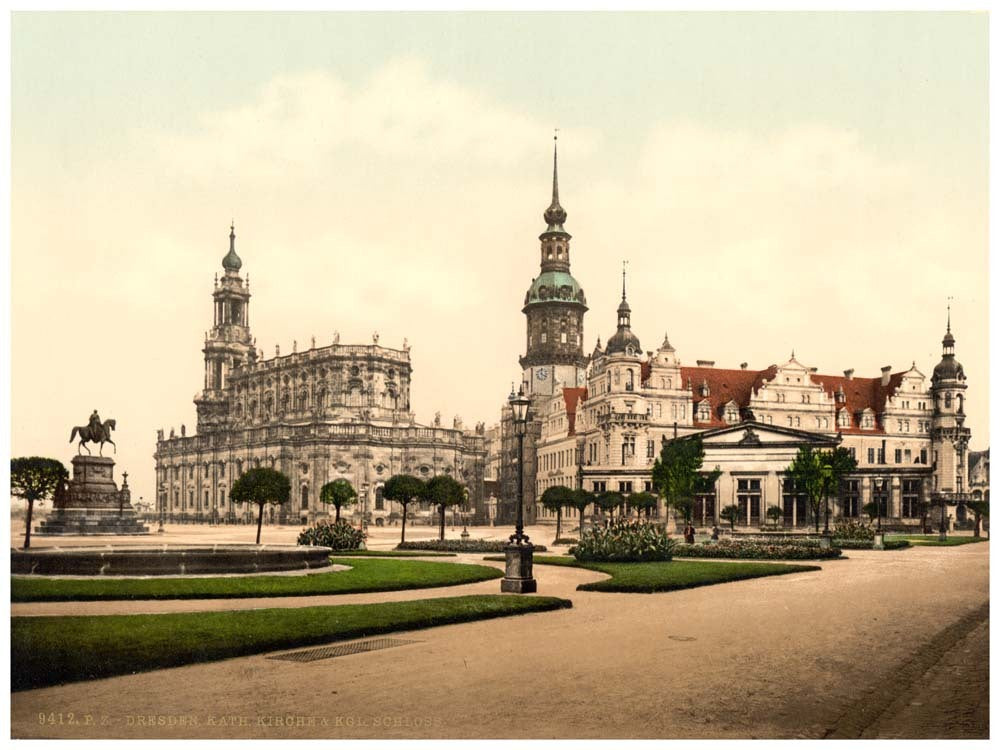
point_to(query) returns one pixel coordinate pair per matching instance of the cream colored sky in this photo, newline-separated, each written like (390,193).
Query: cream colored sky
(775,181)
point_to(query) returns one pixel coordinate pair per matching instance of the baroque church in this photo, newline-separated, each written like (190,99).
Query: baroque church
(599,421)
(334,411)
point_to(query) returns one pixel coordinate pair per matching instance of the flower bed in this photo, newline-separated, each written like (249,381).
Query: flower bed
(852,530)
(625,541)
(864,544)
(337,536)
(806,549)
(462,545)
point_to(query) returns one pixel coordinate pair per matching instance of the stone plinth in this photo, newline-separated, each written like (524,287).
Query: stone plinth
(92,503)
(520,562)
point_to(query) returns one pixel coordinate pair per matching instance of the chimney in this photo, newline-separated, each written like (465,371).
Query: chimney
(743,365)
(813,369)
(849,374)
(885,374)
(706,363)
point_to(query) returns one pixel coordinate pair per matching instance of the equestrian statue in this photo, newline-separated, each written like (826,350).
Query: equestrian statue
(94,431)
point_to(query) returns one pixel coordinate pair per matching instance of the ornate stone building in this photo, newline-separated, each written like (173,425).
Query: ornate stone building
(907,435)
(328,412)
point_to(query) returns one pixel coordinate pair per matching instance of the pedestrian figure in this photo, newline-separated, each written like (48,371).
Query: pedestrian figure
(689,534)
(715,533)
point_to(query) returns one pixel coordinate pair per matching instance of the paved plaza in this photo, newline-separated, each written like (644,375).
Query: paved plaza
(890,644)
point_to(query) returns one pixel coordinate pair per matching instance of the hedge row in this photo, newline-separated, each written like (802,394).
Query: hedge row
(461,545)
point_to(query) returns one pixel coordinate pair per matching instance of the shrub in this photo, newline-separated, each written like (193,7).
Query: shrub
(869,543)
(337,536)
(566,540)
(625,541)
(853,530)
(752,549)
(461,545)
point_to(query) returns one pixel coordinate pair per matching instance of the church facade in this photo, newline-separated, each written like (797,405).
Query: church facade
(599,421)
(328,412)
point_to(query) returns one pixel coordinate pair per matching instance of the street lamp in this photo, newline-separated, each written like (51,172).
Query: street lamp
(942,531)
(519,552)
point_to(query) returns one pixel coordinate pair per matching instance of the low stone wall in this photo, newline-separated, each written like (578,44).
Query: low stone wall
(167,560)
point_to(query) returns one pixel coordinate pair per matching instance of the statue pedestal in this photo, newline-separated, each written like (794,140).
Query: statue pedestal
(92,504)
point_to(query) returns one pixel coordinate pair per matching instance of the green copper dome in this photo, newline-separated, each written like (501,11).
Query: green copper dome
(232,261)
(554,286)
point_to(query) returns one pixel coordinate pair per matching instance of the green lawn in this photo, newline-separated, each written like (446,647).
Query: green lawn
(391,553)
(648,578)
(53,650)
(366,575)
(931,540)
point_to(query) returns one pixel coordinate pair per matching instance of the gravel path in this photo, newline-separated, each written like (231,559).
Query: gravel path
(786,656)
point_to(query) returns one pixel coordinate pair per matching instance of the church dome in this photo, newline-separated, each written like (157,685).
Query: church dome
(555,286)
(948,368)
(232,261)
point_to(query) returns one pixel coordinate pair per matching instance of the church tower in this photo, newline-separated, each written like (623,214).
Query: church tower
(949,435)
(554,306)
(229,344)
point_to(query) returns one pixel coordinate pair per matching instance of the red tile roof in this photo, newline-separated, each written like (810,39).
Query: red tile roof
(724,386)
(740,385)
(572,397)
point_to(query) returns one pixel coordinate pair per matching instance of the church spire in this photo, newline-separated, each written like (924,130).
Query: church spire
(232,261)
(555,214)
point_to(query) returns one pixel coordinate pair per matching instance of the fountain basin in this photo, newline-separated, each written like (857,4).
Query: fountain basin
(167,560)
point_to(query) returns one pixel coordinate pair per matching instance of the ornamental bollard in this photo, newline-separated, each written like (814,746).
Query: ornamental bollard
(879,541)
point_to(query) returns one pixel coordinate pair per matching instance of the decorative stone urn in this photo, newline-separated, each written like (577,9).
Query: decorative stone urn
(92,503)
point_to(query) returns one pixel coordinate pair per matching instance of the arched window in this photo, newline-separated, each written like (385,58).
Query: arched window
(629,380)
(305,497)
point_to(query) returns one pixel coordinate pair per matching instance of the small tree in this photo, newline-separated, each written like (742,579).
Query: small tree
(641,501)
(339,493)
(261,486)
(556,498)
(774,514)
(818,474)
(608,501)
(35,479)
(444,491)
(981,509)
(730,513)
(678,477)
(580,499)
(403,489)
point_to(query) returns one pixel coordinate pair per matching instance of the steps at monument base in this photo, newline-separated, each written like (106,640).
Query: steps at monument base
(82,523)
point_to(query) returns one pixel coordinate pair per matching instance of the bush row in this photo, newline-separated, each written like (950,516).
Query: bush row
(757,550)
(338,536)
(866,544)
(625,541)
(461,545)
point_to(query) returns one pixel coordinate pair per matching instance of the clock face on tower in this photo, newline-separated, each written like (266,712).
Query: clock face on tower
(541,373)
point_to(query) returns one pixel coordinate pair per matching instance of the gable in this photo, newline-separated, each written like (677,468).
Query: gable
(753,434)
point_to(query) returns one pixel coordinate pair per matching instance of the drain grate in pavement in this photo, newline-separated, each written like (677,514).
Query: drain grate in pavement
(342,649)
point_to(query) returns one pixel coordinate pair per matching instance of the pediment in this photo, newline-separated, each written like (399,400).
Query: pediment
(754,434)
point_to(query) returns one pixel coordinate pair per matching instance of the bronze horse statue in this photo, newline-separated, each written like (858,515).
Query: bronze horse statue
(99,433)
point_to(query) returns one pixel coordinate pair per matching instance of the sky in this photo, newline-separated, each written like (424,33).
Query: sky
(777,181)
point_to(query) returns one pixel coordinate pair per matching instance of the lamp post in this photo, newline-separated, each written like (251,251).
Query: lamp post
(942,531)
(519,552)
(879,541)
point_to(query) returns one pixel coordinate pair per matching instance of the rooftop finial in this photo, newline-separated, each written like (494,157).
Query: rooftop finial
(232,261)
(555,214)
(949,314)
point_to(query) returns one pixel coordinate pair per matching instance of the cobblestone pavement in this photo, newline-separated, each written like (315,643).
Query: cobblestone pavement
(780,657)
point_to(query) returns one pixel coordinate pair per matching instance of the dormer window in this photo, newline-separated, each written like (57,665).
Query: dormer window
(844,419)
(704,414)
(867,420)
(732,413)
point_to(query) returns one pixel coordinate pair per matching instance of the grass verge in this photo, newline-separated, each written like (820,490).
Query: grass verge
(933,541)
(54,650)
(390,553)
(364,576)
(653,577)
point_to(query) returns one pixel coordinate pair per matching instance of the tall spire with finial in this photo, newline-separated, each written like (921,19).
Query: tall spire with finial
(555,214)
(624,262)
(232,261)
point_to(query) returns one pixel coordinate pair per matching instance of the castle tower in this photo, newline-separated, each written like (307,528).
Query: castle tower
(554,306)
(229,344)
(949,435)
